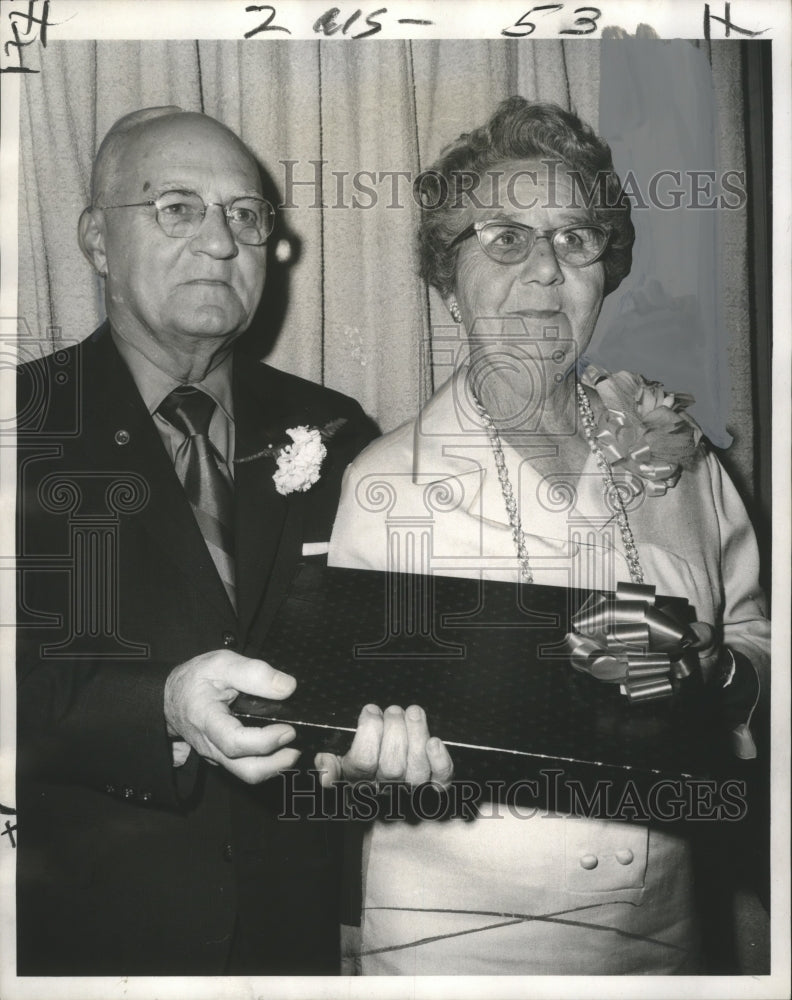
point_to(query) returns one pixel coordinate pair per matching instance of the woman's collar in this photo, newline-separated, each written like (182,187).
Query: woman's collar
(451,441)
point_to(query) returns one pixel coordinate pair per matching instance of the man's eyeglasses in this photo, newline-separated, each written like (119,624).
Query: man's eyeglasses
(180,214)
(512,242)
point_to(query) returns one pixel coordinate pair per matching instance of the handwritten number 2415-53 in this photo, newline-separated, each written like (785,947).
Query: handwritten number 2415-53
(328,23)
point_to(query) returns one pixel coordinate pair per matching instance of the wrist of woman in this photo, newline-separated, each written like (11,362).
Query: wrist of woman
(709,650)
(736,682)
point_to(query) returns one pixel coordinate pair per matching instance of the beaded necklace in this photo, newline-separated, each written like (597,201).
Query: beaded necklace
(611,492)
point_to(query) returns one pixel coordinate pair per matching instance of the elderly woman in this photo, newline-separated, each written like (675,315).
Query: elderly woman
(524,232)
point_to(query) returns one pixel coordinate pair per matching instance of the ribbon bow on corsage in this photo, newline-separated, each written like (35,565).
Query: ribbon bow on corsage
(630,641)
(644,428)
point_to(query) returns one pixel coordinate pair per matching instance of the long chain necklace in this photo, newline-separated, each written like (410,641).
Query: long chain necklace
(508,493)
(611,491)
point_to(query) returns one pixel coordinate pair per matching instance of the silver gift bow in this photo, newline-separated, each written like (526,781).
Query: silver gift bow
(628,640)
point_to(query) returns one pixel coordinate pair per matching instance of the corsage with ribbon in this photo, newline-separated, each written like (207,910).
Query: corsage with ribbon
(628,639)
(644,428)
(299,463)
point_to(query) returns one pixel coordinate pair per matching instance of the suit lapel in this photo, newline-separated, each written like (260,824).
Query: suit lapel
(118,433)
(267,524)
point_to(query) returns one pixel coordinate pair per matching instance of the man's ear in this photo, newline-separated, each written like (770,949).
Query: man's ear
(91,237)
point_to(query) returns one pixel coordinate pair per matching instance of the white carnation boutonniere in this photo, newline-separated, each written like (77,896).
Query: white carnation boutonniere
(644,428)
(299,462)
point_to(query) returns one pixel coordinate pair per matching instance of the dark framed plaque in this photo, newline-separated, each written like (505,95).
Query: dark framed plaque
(485,660)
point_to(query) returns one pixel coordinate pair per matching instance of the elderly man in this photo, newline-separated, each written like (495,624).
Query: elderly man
(153,558)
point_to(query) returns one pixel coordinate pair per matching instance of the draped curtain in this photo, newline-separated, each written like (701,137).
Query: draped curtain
(354,314)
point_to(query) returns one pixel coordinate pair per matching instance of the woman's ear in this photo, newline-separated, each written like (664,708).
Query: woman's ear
(91,237)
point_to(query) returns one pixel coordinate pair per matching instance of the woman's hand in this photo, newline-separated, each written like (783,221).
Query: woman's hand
(736,681)
(394,745)
(707,647)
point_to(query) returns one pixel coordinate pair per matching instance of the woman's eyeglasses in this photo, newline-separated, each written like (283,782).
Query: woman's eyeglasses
(512,242)
(181,213)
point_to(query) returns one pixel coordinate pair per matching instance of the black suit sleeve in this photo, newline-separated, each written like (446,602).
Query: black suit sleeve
(85,714)
(96,723)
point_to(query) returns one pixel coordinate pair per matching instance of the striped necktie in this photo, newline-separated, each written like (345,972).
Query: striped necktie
(190,411)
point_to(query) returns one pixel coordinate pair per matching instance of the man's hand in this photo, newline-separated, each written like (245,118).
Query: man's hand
(394,746)
(197,696)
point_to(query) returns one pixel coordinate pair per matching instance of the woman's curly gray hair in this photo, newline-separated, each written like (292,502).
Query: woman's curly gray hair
(520,130)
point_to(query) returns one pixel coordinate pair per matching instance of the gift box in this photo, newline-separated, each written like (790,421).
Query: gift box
(490,663)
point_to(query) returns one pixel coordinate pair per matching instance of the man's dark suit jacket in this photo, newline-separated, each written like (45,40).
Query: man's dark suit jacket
(127,865)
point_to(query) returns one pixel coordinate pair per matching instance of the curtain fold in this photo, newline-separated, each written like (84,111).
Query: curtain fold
(727,69)
(374,306)
(271,96)
(355,315)
(658,112)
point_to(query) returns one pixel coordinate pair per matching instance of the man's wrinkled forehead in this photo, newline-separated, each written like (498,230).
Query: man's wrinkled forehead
(145,154)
